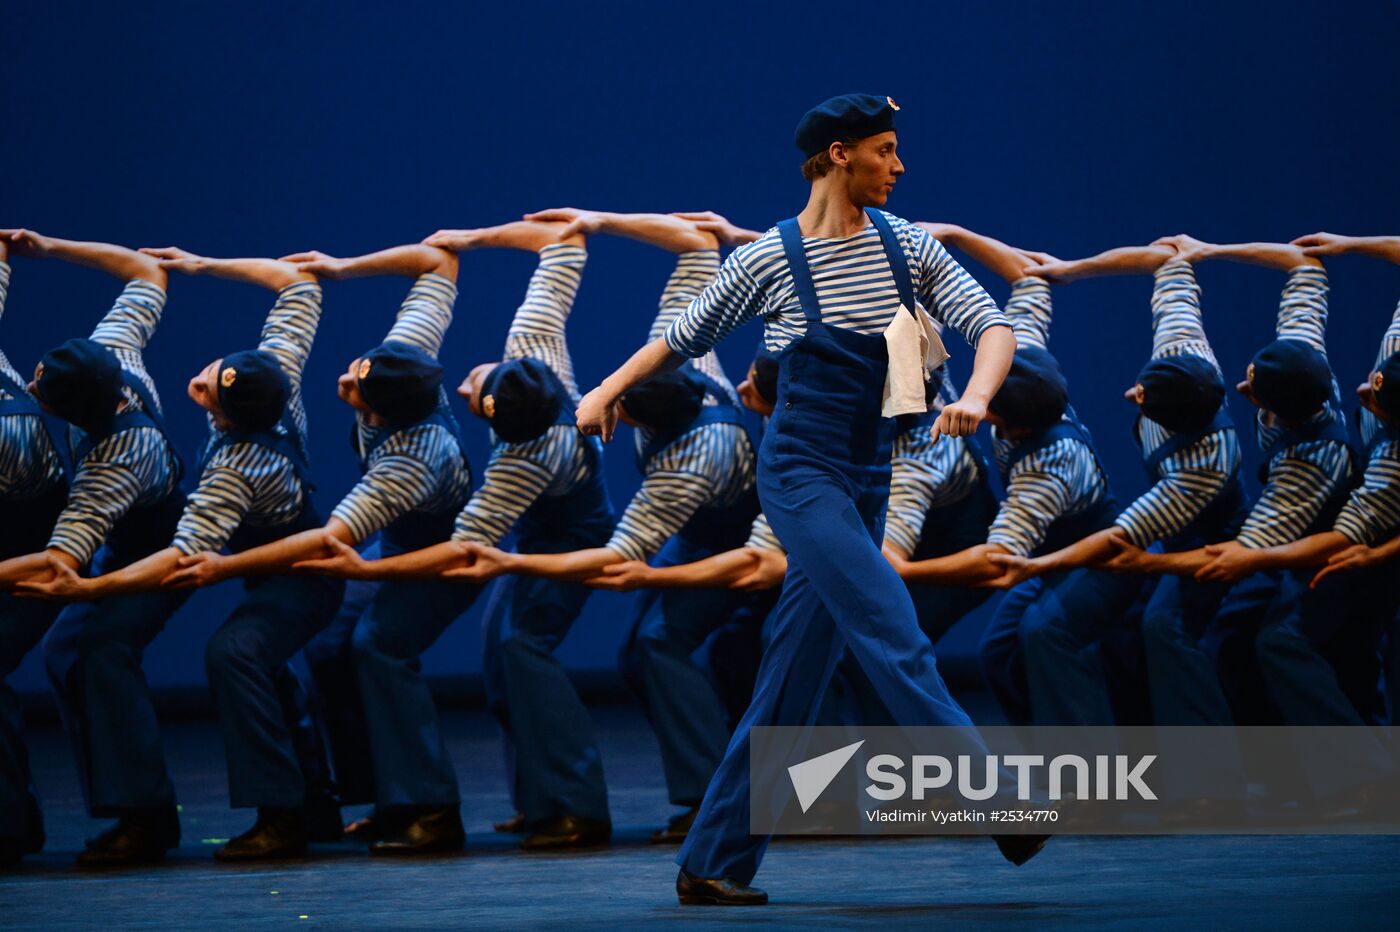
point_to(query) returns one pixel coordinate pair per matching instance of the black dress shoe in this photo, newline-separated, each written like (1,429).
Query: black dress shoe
(675,831)
(141,836)
(696,891)
(515,825)
(278,833)
(375,826)
(12,850)
(568,831)
(1018,849)
(431,831)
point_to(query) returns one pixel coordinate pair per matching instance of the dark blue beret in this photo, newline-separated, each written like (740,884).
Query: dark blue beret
(1181,393)
(522,399)
(665,402)
(1385,386)
(400,382)
(1034,394)
(81,382)
(850,116)
(1291,378)
(253,389)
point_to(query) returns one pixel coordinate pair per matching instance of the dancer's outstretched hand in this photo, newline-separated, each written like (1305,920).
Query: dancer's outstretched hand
(480,563)
(317,263)
(64,585)
(1322,244)
(577,221)
(1232,562)
(345,561)
(27,243)
(597,414)
(622,577)
(175,259)
(1015,569)
(198,569)
(1355,557)
(770,571)
(727,233)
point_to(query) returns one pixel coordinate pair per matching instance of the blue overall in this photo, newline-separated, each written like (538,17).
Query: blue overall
(409,755)
(1319,654)
(823,479)
(27,524)
(1255,604)
(553,766)
(1036,652)
(255,690)
(93,653)
(667,626)
(948,529)
(1182,677)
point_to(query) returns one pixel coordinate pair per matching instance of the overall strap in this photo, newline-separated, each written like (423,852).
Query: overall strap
(714,387)
(1184,440)
(796,255)
(894,254)
(710,414)
(1331,429)
(1064,430)
(146,416)
(284,444)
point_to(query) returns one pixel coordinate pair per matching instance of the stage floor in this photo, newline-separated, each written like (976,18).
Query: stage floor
(1130,883)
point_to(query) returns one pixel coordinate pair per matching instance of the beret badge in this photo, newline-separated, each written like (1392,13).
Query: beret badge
(890,101)
(364,368)
(228,376)
(1377,382)
(488,406)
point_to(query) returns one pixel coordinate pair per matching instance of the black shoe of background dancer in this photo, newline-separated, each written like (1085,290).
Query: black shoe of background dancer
(675,831)
(697,891)
(565,832)
(141,836)
(1018,849)
(279,833)
(12,850)
(323,823)
(432,831)
(515,825)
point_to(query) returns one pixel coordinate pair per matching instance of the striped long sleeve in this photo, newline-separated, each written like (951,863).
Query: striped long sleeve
(925,475)
(1187,481)
(557,462)
(28,464)
(853,284)
(247,482)
(134,467)
(1303,476)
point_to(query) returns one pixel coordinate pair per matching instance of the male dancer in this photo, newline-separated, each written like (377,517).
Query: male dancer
(416,481)
(253,487)
(824,473)
(33,490)
(124,491)
(697,498)
(544,481)
(1056,492)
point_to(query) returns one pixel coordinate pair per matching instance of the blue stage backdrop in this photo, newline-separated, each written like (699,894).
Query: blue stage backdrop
(236,129)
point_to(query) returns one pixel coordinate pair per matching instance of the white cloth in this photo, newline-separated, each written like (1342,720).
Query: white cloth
(915,350)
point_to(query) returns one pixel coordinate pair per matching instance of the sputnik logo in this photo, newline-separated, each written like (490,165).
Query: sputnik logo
(811,777)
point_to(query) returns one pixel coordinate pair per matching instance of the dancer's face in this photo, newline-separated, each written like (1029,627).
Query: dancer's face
(470,389)
(1368,399)
(871,169)
(751,397)
(204,391)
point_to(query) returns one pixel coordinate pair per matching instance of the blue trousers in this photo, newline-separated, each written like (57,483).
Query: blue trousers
(93,656)
(840,593)
(677,693)
(553,765)
(22,625)
(1059,624)
(246,661)
(410,759)
(1319,655)
(337,704)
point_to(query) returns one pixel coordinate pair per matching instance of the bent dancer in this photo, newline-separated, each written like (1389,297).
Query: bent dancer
(254,486)
(416,479)
(1033,650)
(33,489)
(124,491)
